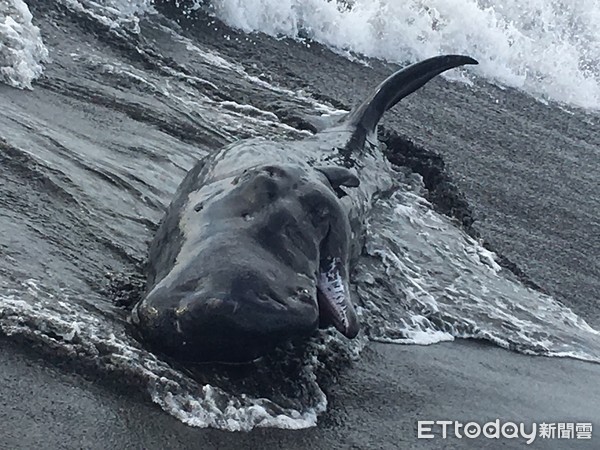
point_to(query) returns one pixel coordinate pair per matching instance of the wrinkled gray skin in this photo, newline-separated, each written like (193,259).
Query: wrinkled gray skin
(256,247)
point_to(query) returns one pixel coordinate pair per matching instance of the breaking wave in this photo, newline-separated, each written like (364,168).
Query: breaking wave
(548,48)
(22,51)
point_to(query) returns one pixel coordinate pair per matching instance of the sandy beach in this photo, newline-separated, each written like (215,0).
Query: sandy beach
(48,408)
(528,172)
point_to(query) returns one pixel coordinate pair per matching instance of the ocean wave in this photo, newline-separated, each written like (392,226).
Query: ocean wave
(22,51)
(548,48)
(115,14)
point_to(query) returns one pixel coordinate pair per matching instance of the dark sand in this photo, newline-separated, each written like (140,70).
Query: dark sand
(47,408)
(531,176)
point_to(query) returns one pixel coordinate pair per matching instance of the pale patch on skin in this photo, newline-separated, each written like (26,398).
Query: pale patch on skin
(149,311)
(181,310)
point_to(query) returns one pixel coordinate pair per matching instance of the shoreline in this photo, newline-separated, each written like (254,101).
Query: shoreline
(527,173)
(375,404)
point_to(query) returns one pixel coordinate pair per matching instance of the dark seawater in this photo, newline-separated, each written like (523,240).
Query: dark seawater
(125,99)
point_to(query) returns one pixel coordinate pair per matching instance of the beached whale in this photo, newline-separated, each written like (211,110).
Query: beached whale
(256,247)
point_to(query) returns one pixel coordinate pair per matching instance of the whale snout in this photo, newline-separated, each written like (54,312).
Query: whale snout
(241,318)
(232,327)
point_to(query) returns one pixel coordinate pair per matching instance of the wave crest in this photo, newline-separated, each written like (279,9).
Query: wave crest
(22,50)
(548,48)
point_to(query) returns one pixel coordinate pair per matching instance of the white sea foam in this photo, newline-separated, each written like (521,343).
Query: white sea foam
(116,14)
(66,327)
(441,284)
(549,48)
(22,50)
(212,58)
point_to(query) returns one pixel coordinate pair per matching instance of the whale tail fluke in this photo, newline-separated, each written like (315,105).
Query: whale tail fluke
(399,85)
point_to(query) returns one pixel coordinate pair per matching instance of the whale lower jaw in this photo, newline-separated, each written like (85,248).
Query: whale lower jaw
(333,297)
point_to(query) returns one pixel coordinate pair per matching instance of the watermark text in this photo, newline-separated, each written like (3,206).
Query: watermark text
(432,429)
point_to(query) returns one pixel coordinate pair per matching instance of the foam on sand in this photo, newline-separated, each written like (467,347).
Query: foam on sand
(22,50)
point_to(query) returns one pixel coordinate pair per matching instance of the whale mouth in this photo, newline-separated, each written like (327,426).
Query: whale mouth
(335,305)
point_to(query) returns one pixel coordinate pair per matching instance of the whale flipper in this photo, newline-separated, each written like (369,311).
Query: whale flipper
(367,115)
(339,176)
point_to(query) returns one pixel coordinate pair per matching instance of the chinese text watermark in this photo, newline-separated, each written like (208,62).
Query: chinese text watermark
(430,429)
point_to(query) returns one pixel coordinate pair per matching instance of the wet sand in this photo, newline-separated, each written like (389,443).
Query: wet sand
(535,201)
(378,405)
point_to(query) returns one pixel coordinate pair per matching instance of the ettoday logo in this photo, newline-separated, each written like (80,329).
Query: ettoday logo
(429,429)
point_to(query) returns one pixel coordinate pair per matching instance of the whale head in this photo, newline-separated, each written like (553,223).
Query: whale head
(263,259)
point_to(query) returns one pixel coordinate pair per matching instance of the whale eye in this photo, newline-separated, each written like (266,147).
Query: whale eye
(275,171)
(269,187)
(324,213)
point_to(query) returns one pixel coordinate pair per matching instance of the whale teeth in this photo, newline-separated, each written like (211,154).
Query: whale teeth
(331,284)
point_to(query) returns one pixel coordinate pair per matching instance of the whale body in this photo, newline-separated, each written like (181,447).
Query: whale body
(257,245)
